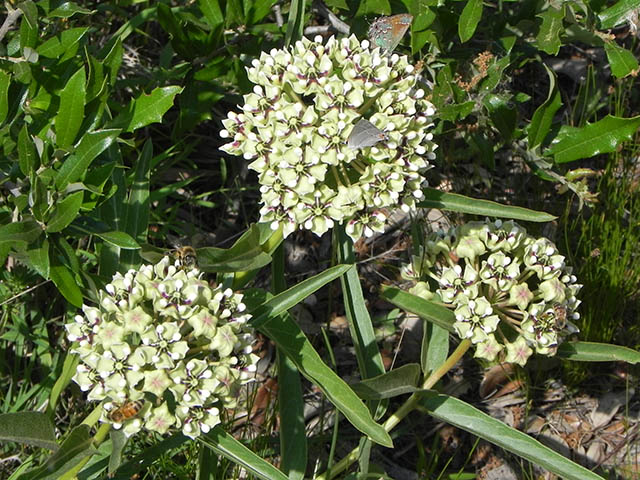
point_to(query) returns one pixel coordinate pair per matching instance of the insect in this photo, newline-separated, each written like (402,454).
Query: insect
(365,134)
(561,315)
(386,32)
(125,411)
(185,256)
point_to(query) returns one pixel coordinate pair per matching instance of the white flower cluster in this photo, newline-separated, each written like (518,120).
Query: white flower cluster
(295,127)
(507,288)
(163,350)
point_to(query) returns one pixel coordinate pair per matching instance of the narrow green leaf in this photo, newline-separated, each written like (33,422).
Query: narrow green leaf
(27,154)
(468,418)
(295,22)
(38,254)
(543,116)
(212,12)
(603,136)
(5,81)
(284,301)
(119,239)
(65,282)
(28,428)
(399,381)
(223,443)
(136,212)
(622,61)
(65,212)
(459,203)
(71,111)
(597,352)
(71,362)
(73,450)
(30,12)
(118,442)
(288,337)
(69,9)
(441,316)
(549,34)
(293,440)
(435,347)
(244,255)
(147,108)
(90,146)
(469,19)
(617,14)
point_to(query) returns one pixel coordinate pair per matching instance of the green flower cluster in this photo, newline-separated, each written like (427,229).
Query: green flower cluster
(509,290)
(295,124)
(163,350)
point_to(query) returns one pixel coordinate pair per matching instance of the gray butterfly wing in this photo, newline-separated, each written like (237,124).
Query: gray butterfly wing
(365,134)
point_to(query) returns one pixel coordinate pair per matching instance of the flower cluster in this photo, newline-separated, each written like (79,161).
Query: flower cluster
(295,124)
(509,290)
(163,350)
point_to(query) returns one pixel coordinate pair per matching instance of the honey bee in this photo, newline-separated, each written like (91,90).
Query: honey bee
(185,256)
(125,411)
(561,315)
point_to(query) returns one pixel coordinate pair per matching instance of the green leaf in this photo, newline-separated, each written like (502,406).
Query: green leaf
(288,337)
(90,146)
(119,239)
(118,442)
(459,203)
(435,347)
(503,115)
(38,254)
(5,82)
(622,61)
(147,109)
(71,362)
(399,381)
(65,212)
(617,14)
(26,231)
(69,9)
(223,443)
(337,4)
(30,12)
(603,136)
(71,111)
(597,352)
(212,12)
(293,441)
(27,154)
(28,428)
(244,255)
(469,18)
(66,43)
(65,282)
(543,116)
(360,325)
(295,22)
(468,418)
(73,450)
(441,316)
(549,35)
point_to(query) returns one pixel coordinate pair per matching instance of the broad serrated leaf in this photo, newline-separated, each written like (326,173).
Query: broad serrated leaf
(90,146)
(398,381)
(603,136)
(597,352)
(459,203)
(71,111)
(468,418)
(28,428)
(549,34)
(543,116)
(621,60)
(469,18)
(65,212)
(148,108)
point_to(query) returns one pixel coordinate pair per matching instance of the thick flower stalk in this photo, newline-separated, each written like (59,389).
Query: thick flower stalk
(163,350)
(295,125)
(512,294)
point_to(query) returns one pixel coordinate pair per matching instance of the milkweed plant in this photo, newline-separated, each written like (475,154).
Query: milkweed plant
(295,125)
(512,294)
(162,336)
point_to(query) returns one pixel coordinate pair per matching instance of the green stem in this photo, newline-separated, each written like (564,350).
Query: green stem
(407,407)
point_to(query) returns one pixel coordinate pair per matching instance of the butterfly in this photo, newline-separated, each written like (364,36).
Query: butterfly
(386,32)
(365,134)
